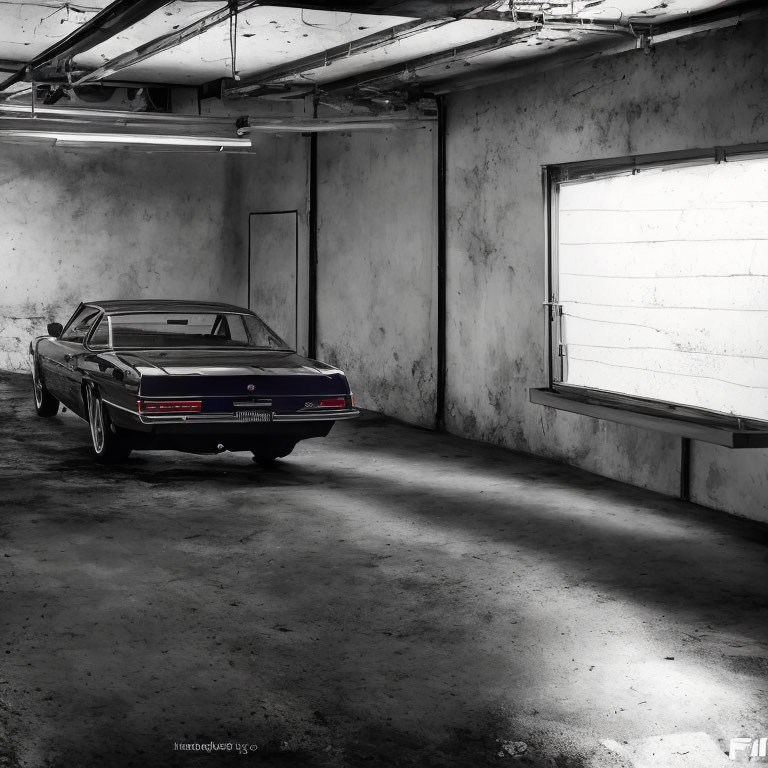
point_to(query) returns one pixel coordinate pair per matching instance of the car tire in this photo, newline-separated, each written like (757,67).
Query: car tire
(106,444)
(45,403)
(266,455)
(265,461)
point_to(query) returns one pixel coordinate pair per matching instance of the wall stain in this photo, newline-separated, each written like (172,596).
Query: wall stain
(715,480)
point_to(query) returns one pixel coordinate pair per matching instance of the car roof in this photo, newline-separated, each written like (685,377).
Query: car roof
(163,305)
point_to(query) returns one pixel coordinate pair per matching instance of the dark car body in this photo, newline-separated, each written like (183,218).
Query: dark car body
(210,394)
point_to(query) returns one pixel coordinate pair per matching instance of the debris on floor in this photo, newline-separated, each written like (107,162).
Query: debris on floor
(673,750)
(513,748)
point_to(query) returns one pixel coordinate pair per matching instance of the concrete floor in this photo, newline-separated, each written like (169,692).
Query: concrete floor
(384,597)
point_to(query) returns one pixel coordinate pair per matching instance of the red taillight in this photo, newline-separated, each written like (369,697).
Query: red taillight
(334,402)
(169,406)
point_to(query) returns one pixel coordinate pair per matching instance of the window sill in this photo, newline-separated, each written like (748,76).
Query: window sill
(675,420)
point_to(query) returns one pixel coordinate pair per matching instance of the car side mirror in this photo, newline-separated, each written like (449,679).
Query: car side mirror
(55,329)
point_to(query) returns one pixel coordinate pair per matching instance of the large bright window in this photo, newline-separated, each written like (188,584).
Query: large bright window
(659,282)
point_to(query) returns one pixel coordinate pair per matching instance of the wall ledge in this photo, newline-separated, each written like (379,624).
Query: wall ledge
(661,417)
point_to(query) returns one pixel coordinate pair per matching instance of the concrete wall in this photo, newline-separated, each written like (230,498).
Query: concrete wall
(695,93)
(102,223)
(377,267)
(276,178)
(97,223)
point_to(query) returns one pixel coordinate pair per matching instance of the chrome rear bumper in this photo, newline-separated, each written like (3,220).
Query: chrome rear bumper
(327,414)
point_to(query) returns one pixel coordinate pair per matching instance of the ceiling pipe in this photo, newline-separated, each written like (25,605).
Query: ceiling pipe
(110,116)
(112,127)
(644,36)
(406,70)
(329,125)
(339,52)
(65,138)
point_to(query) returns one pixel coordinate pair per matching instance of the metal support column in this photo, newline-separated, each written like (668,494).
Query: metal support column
(312,309)
(441,265)
(685,469)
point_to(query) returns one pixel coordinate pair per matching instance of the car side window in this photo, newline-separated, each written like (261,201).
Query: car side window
(78,329)
(221,327)
(237,329)
(100,337)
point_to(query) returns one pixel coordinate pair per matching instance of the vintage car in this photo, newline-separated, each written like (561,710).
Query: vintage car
(187,376)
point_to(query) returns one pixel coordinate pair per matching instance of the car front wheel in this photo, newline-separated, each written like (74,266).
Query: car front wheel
(106,443)
(45,403)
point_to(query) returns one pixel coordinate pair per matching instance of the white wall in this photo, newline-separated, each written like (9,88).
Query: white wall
(97,223)
(693,93)
(377,267)
(92,224)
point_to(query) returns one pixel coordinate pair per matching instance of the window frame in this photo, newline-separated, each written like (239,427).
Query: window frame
(89,343)
(68,327)
(686,421)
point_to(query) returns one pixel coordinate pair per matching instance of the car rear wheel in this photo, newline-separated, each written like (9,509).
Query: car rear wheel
(269,452)
(106,443)
(45,403)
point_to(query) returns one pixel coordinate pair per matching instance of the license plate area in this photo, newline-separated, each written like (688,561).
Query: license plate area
(253,414)
(250,411)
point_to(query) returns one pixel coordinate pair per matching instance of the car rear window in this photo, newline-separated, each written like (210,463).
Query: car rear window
(192,329)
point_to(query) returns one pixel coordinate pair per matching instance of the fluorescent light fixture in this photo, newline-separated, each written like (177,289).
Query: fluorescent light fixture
(129,138)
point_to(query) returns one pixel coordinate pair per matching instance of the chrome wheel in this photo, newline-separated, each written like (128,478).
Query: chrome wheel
(96,420)
(45,403)
(108,445)
(38,387)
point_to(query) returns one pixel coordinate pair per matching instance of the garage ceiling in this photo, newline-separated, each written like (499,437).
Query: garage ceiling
(382,55)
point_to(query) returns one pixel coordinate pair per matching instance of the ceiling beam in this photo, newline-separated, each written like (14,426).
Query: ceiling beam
(8,65)
(107,23)
(406,69)
(421,9)
(160,44)
(365,44)
(715,18)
